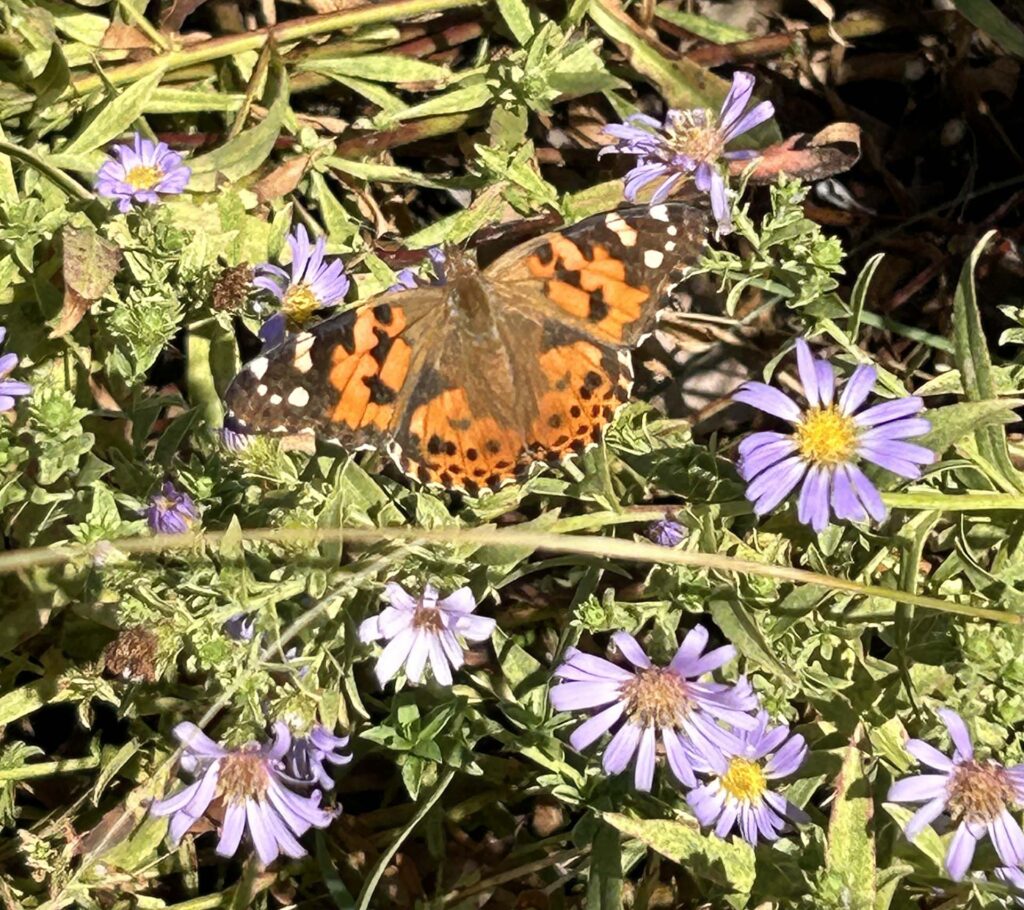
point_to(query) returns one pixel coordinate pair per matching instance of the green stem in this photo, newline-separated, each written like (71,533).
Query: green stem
(45,769)
(603,547)
(296,29)
(56,176)
(366,895)
(952,502)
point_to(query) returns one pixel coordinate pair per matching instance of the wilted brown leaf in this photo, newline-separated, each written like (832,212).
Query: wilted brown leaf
(90,264)
(833,150)
(282,180)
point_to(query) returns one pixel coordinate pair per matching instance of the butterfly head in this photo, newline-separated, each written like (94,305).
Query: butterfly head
(468,294)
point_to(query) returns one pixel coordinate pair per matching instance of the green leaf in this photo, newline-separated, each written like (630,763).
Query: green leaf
(928,842)
(485,209)
(726,862)
(517,18)
(860,293)
(734,619)
(1007,380)
(115,116)
(975,365)
(393,68)
(850,851)
(984,14)
(249,149)
(385,173)
(955,421)
(465,98)
(702,26)
(604,884)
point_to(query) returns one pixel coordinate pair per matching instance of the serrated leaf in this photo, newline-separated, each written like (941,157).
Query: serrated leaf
(240,156)
(726,862)
(850,851)
(114,117)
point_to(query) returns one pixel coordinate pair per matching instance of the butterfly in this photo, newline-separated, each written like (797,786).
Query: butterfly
(468,384)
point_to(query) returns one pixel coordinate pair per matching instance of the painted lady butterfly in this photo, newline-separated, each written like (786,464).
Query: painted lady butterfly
(469,383)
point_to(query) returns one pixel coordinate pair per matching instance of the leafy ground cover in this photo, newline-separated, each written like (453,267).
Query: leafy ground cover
(760,646)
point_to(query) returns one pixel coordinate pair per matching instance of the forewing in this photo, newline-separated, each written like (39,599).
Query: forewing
(345,378)
(608,275)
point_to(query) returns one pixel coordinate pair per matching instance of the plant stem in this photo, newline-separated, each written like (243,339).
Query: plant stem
(46,768)
(294,30)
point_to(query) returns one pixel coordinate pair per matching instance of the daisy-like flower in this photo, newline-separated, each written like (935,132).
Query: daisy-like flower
(233,436)
(252,790)
(409,279)
(10,389)
(312,285)
(666,533)
(689,143)
(171,511)
(740,792)
(139,172)
(977,794)
(830,437)
(418,629)
(307,754)
(1013,878)
(654,701)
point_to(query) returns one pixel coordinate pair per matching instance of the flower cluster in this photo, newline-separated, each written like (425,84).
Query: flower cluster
(690,144)
(171,511)
(977,794)
(830,436)
(139,172)
(10,389)
(409,279)
(254,787)
(312,285)
(672,704)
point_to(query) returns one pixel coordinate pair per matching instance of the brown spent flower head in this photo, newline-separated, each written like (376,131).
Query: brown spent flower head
(243,776)
(978,791)
(132,655)
(656,697)
(231,289)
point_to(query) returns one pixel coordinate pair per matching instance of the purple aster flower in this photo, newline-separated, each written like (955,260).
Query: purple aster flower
(420,628)
(1013,878)
(233,436)
(977,794)
(312,285)
(666,532)
(409,279)
(307,754)
(689,143)
(252,789)
(740,792)
(10,389)
(829,438)
(171,511)
(240,627)
(138,172)
(653,700)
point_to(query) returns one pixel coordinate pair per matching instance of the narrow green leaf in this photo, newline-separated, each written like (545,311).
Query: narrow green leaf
(249,149)
(975,365)
(702,26)
(726,862)
(393,68)
(984,14)
(928,842)
(860,293)
(732,617)
(850,852)
(167,100)
(955,421)
(517,18)
(385,173)
(115,116)
(388,103)
(604,884)
(466,98)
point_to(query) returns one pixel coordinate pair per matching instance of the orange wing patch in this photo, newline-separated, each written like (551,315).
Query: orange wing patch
(368,367)
(595,289)
(451,447)
(581,401)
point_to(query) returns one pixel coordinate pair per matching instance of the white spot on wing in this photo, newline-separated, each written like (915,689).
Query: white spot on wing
(276,399)
(653,258)
(670,245)
(261,390)
(672,230)
(303,361)
(620,227)
(259,366)
(659,212)
(299,398)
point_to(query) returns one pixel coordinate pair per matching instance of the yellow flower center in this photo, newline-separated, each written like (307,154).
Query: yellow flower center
(978,791)
(144,176)
(744,780)
(656,697)
(299,305)
(826,436)
(695,135)
(243,775)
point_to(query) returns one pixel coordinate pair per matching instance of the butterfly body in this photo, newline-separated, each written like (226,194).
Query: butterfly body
(469,383)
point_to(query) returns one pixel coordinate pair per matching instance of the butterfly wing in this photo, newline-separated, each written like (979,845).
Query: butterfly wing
(610,274)
(345,379)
